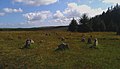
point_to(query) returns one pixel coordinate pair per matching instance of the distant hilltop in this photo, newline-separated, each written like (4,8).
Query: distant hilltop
(35,28)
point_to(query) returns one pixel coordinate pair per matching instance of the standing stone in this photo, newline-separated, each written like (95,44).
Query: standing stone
(32,41)
(62,46)
(90,40)
(27,43)
(83,39)
(95,42)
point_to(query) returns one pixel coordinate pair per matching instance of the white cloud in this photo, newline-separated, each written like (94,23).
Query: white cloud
(65,20)
(111,1)
(36,2)
(58,15)
(2,14)
(37,19)
(75,10)
(12,10)
(37,16)
(43,18)
(59,18)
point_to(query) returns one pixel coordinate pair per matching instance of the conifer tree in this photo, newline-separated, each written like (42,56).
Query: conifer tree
(73,26)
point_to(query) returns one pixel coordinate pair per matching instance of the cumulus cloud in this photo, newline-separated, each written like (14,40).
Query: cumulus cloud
(2,14)
(111,1)
(37,16)
(75,10)
(12,10)
(61,17)
(58,15)
(65,20)
(36,2)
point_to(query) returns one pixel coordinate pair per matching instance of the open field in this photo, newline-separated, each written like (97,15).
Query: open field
(42,55)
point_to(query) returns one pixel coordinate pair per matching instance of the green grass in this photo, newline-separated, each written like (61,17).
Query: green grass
(42,55)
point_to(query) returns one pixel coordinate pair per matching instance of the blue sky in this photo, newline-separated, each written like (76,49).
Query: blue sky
(38,13)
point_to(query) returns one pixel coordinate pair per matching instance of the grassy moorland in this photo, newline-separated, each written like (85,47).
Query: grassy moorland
(41,55)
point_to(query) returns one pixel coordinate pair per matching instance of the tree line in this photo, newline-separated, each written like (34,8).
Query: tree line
(108,21)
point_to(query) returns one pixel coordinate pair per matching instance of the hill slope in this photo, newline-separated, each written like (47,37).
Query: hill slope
(36,28)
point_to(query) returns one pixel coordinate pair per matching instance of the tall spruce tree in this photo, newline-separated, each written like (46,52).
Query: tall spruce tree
(112,14)
(118,29)
(85,25)
(112,27)
(102,26)
(84,19)
(96,24)
(73,26)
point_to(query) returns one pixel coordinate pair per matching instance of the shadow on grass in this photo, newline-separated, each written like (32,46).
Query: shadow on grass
(59,49)
(90,46)
(30,47)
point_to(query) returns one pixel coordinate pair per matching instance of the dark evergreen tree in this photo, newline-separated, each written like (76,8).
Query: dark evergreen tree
(84,19)
(107,21)
(96,24)
(118,30)
(73,27)
(112,26)
(84,28)
(111,19)
(84,24)
(102,26)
